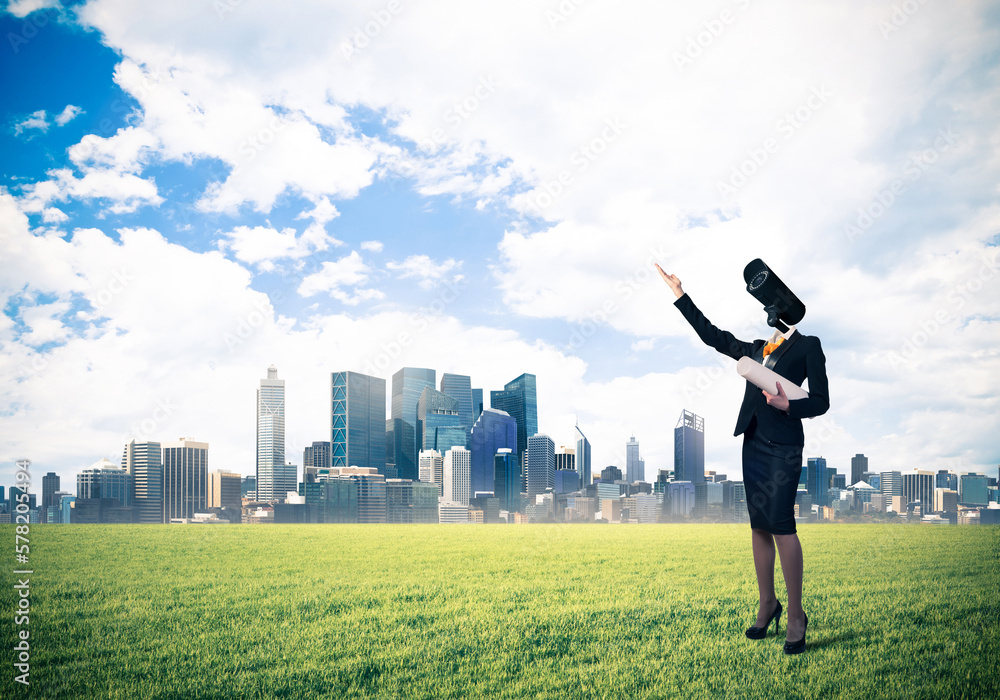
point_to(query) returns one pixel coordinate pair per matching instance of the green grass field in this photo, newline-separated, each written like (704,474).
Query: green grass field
(540,611)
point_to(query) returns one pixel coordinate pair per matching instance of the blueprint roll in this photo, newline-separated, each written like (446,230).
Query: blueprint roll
(766,379)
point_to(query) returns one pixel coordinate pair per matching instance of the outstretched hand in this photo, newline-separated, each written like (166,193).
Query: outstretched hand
(671,280)
(779,400)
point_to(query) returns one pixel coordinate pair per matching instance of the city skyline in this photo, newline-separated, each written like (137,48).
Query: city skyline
(168,230)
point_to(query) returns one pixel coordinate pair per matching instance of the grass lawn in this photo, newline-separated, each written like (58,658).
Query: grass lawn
(539,611)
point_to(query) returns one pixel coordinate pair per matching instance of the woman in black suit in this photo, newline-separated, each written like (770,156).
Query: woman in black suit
(771,426)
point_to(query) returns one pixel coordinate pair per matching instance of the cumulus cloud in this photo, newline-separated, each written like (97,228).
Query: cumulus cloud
(68,114)
(427,271)
(37,120)
(334,276)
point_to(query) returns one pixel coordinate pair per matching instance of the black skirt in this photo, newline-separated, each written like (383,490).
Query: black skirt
(771,474)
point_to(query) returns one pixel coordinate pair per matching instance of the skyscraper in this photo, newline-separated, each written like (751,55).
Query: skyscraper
(103,480)
(270,434)
(859,465)
(477,404)
(459,387)
(357,421)
(973,489)
(50,485)
(689,448)
(493,431)
(185,478)
(314,458)
(918,487)
(890,484)
(407,385)
(635,467)
(143,460)
(817,484)
(507,479)
(224,490)
(432,469)
(541,464)
(519,399)
(583,457)
(439,425)
(457,471)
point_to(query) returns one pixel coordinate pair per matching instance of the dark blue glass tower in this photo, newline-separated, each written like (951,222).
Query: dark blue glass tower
(582,457)
(689,448)
(357,421)
(459,387)
(507,480)
(495,430)
(519,399)
(816,481)
(407,385)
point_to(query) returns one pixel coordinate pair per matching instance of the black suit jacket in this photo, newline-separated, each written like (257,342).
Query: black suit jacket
(798,358)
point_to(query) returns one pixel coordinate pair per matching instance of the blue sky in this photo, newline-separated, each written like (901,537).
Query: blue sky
(193,191)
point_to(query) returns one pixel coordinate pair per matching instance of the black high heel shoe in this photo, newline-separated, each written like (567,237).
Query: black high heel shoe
(799,646)
(761,632)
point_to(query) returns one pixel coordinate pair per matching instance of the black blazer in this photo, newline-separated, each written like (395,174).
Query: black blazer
(799,357)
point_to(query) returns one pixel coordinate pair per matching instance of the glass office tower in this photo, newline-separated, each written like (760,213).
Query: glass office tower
(357,421)
(519,399)
(407,386)
(689,448)
(270,435)
(493,431)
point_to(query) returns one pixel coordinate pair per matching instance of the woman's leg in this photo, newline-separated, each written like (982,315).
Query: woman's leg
(791,566)
(763,563)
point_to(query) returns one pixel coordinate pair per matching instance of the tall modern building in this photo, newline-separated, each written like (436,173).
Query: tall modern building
(285,480)
(859,465)
(493,431)
(102,480)
(224,490)
(918,487)
(890,484)
(407,386)
(357,421)
(635,466)
(270,435)
(399,435)
(143,460)
(50,485)
(541,464)
(459,387)
(439,425)
(432,469)
(582,457)
(689,448)
(457,471)
(185,478)
(477,403)
(973,490)
(565,458)
(314,458)
(507,479)
(817,484)
(519,399)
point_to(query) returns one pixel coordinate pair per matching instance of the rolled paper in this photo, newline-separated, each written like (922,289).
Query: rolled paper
(767,379)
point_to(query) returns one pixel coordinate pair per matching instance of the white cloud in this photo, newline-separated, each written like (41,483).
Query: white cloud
(23,8)
(427,271)
(37,120)
(125,192)
(333,277)
(68,114)
(372,246)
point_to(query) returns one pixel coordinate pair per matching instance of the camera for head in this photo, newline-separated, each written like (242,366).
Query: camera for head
(781,305)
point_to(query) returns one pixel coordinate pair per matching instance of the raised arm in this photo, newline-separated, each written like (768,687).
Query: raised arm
(723,341)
